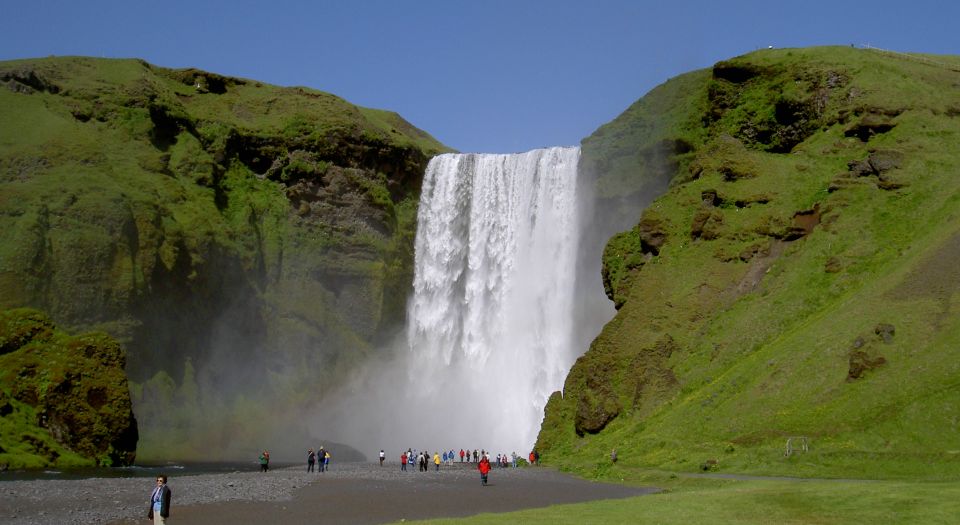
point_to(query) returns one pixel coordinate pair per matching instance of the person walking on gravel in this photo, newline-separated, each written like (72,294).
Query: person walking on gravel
(264,461)
(160,502)
(484,468)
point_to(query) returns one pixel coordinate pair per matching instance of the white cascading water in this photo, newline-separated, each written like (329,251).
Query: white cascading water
(490,323)
(496,318)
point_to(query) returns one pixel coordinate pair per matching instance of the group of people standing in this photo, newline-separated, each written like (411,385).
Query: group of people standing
(321,456)
(480,457)
(422,459)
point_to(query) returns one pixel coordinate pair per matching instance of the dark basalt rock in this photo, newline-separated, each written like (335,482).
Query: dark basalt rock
(869,125)
(653,234)
(27,81)
(595,410)
(736,72)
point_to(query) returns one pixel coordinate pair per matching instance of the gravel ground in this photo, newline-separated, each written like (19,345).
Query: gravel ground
(351,493)
(103,500)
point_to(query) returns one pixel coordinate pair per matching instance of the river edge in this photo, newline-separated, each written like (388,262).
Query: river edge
(351,493)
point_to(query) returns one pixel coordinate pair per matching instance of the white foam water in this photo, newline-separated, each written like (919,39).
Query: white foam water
(490,323)
(490,331)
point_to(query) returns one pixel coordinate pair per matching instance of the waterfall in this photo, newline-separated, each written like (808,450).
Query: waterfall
(491,320)
(496,318)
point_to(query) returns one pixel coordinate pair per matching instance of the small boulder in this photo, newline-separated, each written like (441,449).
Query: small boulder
(885,331)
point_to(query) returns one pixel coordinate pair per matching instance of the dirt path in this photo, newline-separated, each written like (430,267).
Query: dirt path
(367,494)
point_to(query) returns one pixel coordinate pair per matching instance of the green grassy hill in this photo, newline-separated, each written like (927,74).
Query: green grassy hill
(796,278)
(235,236)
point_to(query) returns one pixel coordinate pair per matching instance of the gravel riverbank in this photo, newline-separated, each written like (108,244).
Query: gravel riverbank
(351,493)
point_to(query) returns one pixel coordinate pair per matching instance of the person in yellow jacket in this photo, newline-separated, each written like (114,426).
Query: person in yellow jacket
(436,460)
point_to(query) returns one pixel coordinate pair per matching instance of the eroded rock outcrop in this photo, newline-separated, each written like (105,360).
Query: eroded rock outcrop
(64,399)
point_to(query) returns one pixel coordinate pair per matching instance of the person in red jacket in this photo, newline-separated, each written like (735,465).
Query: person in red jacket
(484,468)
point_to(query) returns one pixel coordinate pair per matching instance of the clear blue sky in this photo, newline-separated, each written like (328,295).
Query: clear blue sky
(484,75)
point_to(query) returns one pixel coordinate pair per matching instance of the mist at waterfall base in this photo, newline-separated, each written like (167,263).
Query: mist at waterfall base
(503,302)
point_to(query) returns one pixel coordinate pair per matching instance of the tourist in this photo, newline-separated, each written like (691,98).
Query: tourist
(264,461)
(311,460)
(436,460)
(326,461)
(160,501)
(461,455)
(484,468)
(382,456)
(403,461)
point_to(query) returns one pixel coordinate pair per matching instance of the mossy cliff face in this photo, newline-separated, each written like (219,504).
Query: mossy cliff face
(790,279)
(245,237)
(64,399)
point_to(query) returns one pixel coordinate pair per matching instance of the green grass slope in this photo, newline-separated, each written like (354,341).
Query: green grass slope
(795,281)
(235,236)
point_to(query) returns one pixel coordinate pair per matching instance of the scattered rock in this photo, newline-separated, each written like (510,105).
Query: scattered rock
(594,411)
(868,126)
(653,233)
(861,363)
(736,72)
(710,198)
(746,202)
(833,265)
(804,222)
(27,81)
(885,331)
(706,224)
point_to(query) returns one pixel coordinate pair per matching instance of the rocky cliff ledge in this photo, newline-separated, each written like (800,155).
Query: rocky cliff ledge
(64,400)
(235,236)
